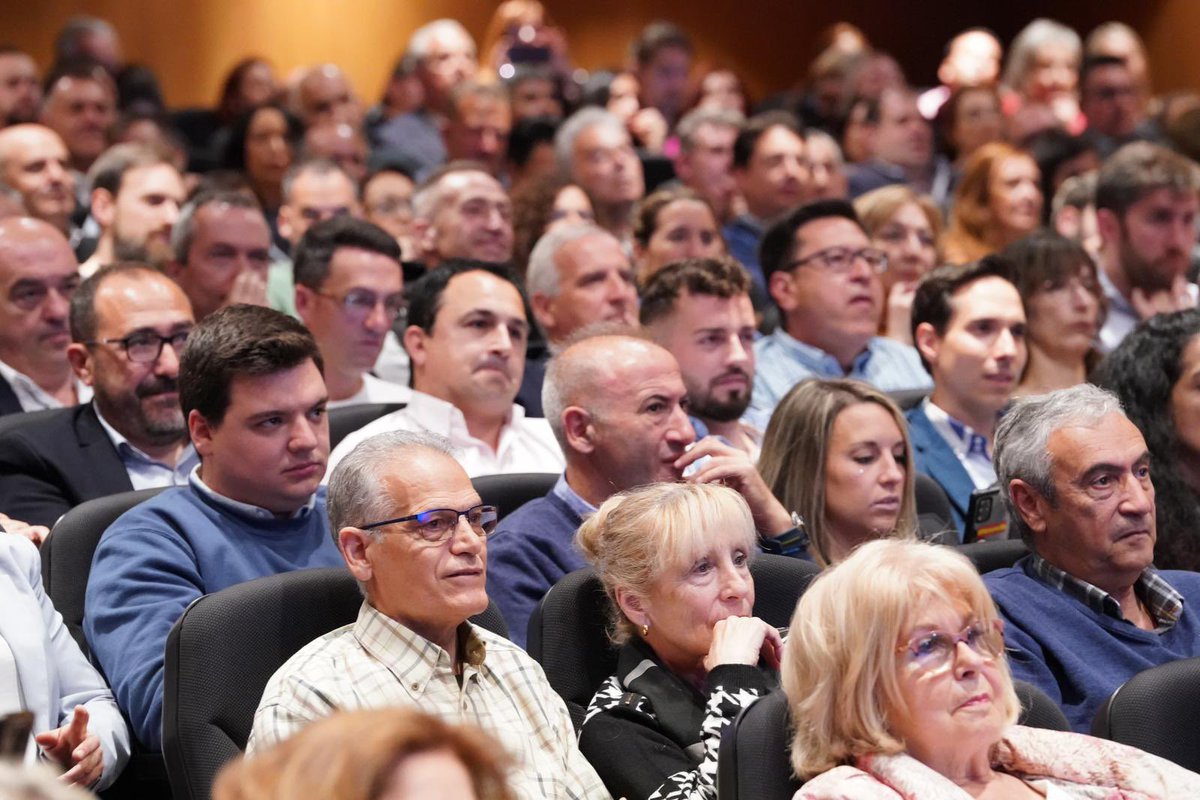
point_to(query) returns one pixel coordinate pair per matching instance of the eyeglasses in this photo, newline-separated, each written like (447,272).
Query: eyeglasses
(144,347)
(359,303)
(840,260)
(438,524)
(935,651)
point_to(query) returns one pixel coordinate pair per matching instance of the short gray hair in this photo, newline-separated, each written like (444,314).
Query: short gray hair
(818,135)
(184,231)
(317,166)
(418,43)
(1036,34)
(430,195)
(577,123)
(718,117)
(356,494)
(541,276)
(1022,438)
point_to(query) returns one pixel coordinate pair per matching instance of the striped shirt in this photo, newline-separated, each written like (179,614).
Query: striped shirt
(377,662)
(1163,601)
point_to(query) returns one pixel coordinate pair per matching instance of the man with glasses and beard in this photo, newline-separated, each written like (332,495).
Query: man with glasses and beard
(128,324)
(700,311)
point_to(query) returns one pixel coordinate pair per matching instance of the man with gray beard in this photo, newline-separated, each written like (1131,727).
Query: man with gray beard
(128,324)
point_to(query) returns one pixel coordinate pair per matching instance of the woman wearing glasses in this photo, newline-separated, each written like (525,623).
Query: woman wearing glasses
(675,563)
(898,687)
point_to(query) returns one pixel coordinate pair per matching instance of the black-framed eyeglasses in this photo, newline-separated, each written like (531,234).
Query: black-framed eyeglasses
(143,347)
(438,524)
(840,260)
(359,303)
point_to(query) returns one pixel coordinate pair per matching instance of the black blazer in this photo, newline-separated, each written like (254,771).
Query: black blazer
(50,465)
(8,399)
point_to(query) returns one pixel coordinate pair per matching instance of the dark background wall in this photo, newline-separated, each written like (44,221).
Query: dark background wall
(191,43)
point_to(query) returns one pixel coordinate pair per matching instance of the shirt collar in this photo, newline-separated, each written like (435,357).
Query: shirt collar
(25,387)
(239,508)
(441,415)
(1163,601)
(412,658)
(125,448)
(818,359)
(563,491)
(961,437)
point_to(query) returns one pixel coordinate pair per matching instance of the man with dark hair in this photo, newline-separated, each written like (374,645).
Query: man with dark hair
(128,326)
(1111,100)
(136,195)
(533,92)
(1146,204)
(34,163)
(478,121)
(903,151)
(462,212)
(700,311)
(81,106)
(705,160)
(38,275)
(387,194)
(221,247)
(771,173)
(662,60)
(349,292)
(90,38)
(466,339)
(530,153)
(20,94)
(968,323)
(823,275)
(251,389)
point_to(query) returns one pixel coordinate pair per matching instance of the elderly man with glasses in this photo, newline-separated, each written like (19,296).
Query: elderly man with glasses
(413,532)
(823,274)
(128,323)
(349,292)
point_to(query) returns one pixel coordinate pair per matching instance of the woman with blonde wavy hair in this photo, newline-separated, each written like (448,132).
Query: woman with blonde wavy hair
(997,201)
(837,453)
(898,686)
(674,559)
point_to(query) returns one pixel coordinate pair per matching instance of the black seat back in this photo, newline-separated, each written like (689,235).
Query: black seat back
(1153,711)
(345,420)
(510,492)
(990,555)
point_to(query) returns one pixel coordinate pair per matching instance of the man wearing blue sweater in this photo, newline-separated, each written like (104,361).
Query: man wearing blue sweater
(251,389)
(1086,610)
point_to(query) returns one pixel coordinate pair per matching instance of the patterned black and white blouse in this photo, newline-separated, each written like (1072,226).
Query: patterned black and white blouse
(652,736)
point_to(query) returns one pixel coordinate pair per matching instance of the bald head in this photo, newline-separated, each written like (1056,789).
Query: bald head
(323,96)
(34,162)
(615,403)
(341,143)
(38,275)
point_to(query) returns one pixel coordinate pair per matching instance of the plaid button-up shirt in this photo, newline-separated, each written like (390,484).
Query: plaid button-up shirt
(377,662)
(1165,604)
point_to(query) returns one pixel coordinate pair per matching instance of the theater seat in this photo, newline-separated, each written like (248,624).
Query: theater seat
(754,762)
(992,555)
(1155,711)
(568,632)
(510,492)
(225,648)
(347,419)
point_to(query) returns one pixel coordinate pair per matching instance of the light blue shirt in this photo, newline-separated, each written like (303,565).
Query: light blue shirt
(145,472)
(237,507)
(783,361)
(564,492)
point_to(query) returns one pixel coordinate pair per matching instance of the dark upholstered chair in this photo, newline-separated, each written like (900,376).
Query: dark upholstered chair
(345,420)
(568,632)
(225,648)
(510,492)
(1153,710)
(992,555)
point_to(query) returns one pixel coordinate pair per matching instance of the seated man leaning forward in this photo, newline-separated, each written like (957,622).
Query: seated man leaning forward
(1086,611)
(466,340)
(823,275)
(251,389)
(414,534)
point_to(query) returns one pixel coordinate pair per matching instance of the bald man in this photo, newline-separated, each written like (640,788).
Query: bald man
(38,275)
(616,404)
(34,162)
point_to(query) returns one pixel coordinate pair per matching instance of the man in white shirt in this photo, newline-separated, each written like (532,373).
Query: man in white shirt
(466,339)
(969,327)
(38,275)
(349,292)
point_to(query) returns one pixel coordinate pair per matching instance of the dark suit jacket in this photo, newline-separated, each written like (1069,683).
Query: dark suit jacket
(56,462)
(935,459)
(8,399)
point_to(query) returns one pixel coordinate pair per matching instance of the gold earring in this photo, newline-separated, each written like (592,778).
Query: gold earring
(645,629)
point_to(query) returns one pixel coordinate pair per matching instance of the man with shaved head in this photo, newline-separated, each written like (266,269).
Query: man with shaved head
(323,96)
(34,162)
(617,405)
(38,275)
(461,211)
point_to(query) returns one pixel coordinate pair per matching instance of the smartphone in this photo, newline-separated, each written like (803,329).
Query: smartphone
(986,516)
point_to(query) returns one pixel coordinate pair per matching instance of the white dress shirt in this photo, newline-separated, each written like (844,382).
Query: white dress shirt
(526,444)
(375,390)
(33,397)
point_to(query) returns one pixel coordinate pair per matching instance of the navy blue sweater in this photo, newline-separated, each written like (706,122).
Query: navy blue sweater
(530,550)
(1075,655)
(160,556)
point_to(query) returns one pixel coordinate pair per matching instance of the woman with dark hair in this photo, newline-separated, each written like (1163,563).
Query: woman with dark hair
(249,84)
(969,119)
(671,225)
(1059,156)
(262,145)
(541,205)
(1064,306)
(1155,372)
